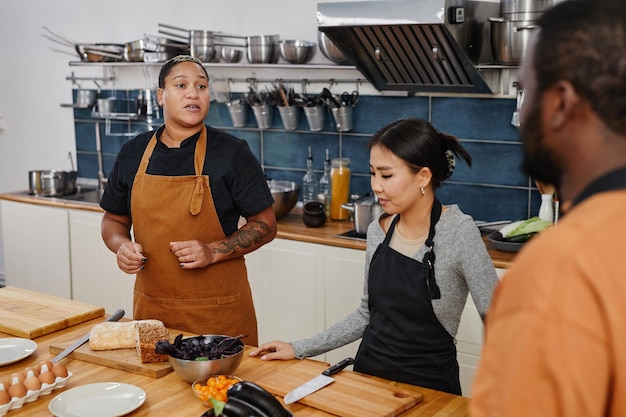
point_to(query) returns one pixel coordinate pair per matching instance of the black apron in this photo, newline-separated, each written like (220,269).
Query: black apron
(404,341)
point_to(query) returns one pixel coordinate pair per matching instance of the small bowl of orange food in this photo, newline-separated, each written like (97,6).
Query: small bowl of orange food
(214,387)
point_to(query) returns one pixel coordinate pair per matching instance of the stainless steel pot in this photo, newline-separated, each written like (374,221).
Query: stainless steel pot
(364,211)
(509,39)
(523,9)
(52,183)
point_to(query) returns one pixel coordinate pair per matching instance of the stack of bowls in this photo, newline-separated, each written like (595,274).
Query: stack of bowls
(262,49)
(202,45)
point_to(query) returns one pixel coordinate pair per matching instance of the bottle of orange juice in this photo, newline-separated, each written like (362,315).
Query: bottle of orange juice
(339,187)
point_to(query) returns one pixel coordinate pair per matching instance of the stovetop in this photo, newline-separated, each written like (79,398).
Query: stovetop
(352,234)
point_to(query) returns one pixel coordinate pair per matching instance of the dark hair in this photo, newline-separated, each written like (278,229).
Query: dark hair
(584,42)
(420,145)
(172,62)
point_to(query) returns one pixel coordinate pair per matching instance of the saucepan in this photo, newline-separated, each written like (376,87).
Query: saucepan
(52,183)
(364,211)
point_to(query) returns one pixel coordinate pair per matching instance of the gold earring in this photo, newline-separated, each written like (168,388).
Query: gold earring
(422,190)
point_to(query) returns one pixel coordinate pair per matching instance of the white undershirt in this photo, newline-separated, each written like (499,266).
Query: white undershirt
(405,246)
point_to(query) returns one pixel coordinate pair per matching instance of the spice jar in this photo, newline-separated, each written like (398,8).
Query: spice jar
(339,188)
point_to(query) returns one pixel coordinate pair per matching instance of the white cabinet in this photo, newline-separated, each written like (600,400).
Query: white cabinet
(301,288)
(287,284)
(470,337)
(60,251)
(96,278)
(343,279)
(36,248)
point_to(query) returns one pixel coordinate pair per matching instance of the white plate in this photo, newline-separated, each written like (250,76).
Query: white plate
(102,399)
(13,349)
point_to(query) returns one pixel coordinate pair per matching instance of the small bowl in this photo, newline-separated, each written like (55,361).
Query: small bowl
(203,397)
(297,52)
(231,55)
(314,214)
(194,370)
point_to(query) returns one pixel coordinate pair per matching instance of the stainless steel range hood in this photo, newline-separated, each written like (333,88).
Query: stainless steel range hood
(414,45)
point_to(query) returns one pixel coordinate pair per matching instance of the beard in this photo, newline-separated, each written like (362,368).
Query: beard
(539,162)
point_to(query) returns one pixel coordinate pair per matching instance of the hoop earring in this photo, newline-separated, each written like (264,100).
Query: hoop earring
(422,190)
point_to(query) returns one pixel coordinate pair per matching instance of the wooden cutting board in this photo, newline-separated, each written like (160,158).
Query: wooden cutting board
(31,314)
(123,359)
(350,395)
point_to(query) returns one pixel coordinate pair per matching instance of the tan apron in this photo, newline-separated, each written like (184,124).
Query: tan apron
(212,300)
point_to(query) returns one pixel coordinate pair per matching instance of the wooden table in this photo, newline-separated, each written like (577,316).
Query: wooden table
(171,396)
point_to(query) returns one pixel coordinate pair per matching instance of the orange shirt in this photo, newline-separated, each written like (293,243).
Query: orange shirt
(555,342)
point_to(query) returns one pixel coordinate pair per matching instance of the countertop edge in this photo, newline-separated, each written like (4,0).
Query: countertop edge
(290,226)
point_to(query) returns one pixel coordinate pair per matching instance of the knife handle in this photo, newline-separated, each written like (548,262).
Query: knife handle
(338,366)
(117,315)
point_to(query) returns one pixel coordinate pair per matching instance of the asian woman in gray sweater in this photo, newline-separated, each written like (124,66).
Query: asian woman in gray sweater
(422,260)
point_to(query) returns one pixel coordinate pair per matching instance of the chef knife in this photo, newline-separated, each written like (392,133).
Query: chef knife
(316,383)
(114,317)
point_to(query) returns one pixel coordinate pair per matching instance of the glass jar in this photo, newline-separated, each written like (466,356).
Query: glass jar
(339,188)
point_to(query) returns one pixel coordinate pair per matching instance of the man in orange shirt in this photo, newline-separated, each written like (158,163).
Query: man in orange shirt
(556,333)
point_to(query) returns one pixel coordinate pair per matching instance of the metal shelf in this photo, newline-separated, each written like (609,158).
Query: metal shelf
(220,65)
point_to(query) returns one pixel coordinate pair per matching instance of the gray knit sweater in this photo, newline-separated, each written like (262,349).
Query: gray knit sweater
(462,265)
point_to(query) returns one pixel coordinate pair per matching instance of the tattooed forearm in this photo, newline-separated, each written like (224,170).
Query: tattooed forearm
(249,235)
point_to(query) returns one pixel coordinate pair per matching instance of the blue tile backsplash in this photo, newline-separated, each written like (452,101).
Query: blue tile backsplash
(494,188)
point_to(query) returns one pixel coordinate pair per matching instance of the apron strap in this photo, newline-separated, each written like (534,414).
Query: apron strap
(197,196)
(429,258)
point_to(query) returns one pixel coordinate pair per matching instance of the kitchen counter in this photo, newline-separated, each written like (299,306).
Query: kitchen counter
(289,227)
(170,395)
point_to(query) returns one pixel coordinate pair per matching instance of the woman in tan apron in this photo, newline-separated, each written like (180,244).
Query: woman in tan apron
(190,274)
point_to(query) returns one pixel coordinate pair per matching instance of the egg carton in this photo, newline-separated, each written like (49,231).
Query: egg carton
(32,395)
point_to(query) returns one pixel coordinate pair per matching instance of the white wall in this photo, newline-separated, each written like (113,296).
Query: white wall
(32,77)
(35,131)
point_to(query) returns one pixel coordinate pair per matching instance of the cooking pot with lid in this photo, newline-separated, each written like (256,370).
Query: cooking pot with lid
(52,183)
(364,211)
(509,39)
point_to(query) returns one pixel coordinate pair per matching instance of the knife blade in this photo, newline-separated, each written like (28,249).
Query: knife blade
(316,383)
(114,317)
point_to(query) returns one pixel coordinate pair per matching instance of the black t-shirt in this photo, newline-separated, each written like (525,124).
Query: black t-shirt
(238,184)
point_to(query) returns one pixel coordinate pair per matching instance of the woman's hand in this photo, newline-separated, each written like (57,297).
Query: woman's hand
(274,350)
(191,253)
(130,258)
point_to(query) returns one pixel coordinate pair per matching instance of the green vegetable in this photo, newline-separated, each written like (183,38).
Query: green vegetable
(524,227)
(218,406)
(519,238)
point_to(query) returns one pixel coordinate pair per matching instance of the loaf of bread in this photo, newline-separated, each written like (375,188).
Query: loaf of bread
(148,334)
(117,335)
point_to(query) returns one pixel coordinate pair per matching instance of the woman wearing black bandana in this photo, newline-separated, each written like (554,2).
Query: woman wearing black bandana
(422,260)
